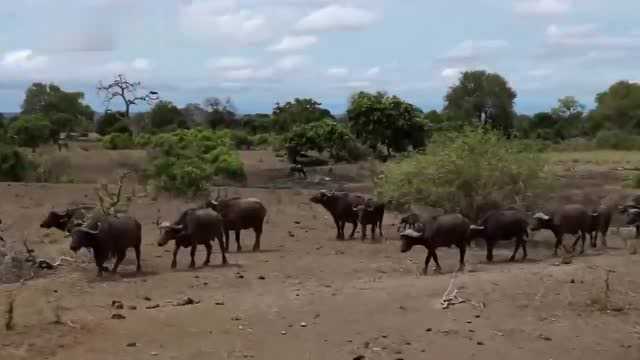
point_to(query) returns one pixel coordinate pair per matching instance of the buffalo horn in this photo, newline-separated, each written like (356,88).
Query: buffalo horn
(541,216)
(476,227)
(412,234)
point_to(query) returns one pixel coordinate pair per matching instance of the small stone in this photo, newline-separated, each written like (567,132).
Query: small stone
(146,298)
(283,332)
(480,343)
(132,307)
(236,318)
(219,302)
(468,322)
(132,344)
(297,222)
(366,344)
(118,305)
(154,306)
(153,353)
(429,330)
(239,276)
(477,316)
(376,349)
(261,277)
(303,324)
(544,337)
(118,316)
(572,281)
(359,357)
(186,301)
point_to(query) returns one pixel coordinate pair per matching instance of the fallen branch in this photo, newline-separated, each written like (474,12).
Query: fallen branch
(450,298)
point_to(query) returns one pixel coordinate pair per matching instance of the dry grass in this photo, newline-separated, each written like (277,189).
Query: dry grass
(598,158)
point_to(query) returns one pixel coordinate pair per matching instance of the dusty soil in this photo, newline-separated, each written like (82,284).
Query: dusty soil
(309,296)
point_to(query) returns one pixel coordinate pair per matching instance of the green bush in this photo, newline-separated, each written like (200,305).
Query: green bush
(635,181)
(241,140)
(14,166)
(118,141)
(617,140)
(142,141)
(263,140)
(463,171)
(185,161)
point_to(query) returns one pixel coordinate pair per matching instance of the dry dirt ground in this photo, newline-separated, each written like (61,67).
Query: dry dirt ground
(308,296)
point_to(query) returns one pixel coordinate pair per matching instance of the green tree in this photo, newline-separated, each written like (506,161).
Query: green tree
(324,135)
(165,115)
(382,120)
(298,112)
(31,131)
(256,123)
(221,113)
(568,107)
(619,106)
(108,122)
(482,97)
(3,128)
(522,125)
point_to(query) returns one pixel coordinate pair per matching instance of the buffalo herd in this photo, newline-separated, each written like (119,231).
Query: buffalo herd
(110,236)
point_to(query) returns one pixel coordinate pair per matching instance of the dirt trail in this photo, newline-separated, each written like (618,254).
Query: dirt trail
(308,296)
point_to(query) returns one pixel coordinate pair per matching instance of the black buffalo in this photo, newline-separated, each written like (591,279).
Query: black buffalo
(502,225)
(194,227)
(370,213)
(599,223)
(341,206)
(445,231)
(240,214)
(68,219)
(108,237)
(571,219)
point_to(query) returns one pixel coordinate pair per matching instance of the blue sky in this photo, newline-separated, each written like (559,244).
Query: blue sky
(261,51)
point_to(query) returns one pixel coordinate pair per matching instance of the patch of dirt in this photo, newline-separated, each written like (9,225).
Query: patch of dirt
(309,296)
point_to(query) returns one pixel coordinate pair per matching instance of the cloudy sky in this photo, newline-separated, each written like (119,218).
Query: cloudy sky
(262,51)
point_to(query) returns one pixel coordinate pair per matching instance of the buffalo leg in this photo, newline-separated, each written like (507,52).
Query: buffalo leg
(524,248)
(373,231)
(192,264)
(594,239)
(427,260)
(238,246)
(207,245)
(99,264)
(335,221)
(364,231)
(138,267)
(489,250)
(380,228)
(342,225)
(119,257)
(222,250)
(174,262)
(463,251)
(438,268)
(558,244)
(515,250)
(353,232)
(637,231)
(258,231)
(226,239)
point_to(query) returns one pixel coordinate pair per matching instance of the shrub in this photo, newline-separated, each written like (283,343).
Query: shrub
(30,131)
(462,171)
(185,161)
(320,136)
(142,141)
(241,140)
(617,140)
(117,141)
(14,166)
(263,140)
(120,127)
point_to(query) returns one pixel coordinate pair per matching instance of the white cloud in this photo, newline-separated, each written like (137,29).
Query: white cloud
(543,7)
(230,63)
(222,21)
(588,36)
(292,43)
(357,84)
(335,18)
(245,74)
(23,59)
(373,72)
(292,62)
(338,72)
(141,64)
(472,50)
(451,73)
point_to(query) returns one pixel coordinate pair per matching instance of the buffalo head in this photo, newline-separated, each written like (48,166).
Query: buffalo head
(57,219)
(83,237)
(410,238)
(541,221)
(322,197)
(632,217)
(169,232)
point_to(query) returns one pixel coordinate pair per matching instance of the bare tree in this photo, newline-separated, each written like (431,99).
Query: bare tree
(129,92)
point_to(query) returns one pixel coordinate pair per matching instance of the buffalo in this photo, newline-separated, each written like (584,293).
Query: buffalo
(632,218)
(297,169)
(341,206)
(599,223)
(68,219)
(445,231)
(109,237)
(571,219)
(194,227)
(240,214)
(370,213)
(502,225)
(408,222)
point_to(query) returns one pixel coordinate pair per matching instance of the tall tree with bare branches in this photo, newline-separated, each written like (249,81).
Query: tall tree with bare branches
(129,92)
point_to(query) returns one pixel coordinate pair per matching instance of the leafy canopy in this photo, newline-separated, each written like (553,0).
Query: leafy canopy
(30,131)
(484,98)
(165,114)
(382,120)
(298,112)
(324,135)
